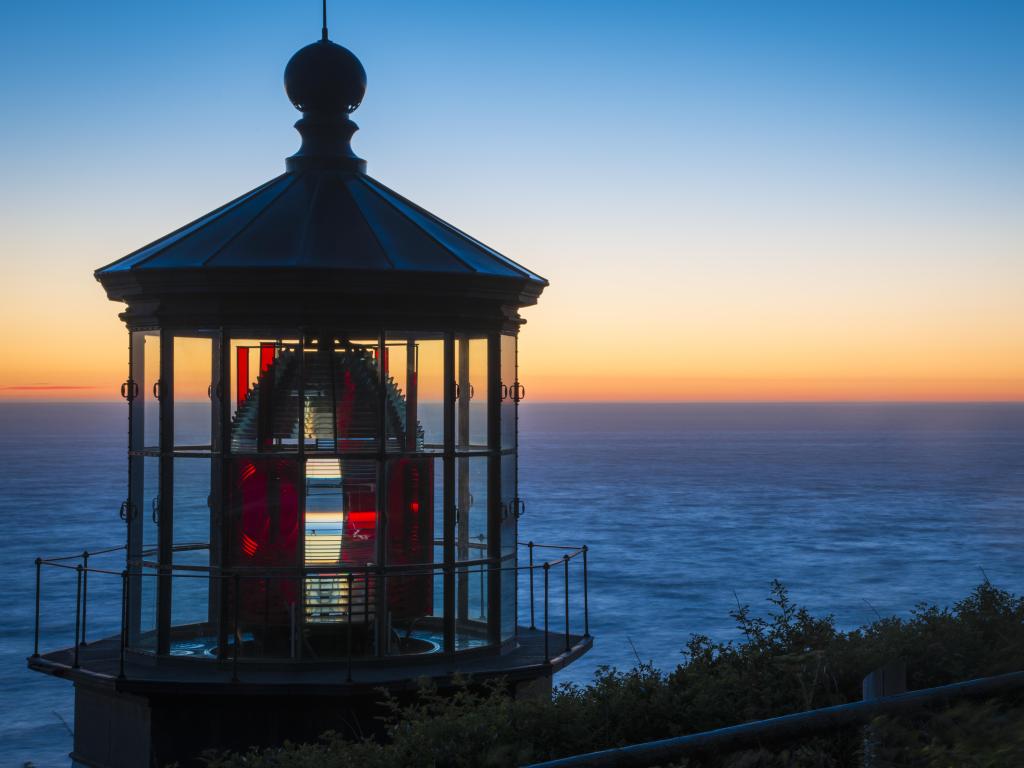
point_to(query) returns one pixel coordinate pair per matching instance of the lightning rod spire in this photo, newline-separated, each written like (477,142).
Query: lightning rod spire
(323,30)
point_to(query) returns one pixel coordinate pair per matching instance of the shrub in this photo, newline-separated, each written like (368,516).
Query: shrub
(785,661)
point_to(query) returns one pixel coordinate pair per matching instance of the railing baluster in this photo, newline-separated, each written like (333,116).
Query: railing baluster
(124,623)
(348,618)
(483,594)
(586,605)
(237,636)
(78,610)
(565,561)
(85,593)
(266,610)
(532,624)
(39,567)
(547,654)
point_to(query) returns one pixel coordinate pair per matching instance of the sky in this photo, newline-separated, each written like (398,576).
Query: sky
(732,200)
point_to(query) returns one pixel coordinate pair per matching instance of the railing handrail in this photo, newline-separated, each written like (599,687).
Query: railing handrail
(137,567)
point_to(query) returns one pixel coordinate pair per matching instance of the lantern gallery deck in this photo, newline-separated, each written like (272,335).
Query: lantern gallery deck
(99,664)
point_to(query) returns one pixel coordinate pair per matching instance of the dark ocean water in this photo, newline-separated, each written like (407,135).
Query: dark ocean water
(857,508)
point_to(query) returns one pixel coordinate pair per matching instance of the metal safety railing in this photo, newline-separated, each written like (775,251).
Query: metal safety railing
(370,612)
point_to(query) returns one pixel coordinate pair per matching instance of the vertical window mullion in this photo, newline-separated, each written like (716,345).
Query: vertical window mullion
(448,467)
(494,488)
(166,505)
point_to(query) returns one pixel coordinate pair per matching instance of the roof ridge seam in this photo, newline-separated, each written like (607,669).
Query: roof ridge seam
(441,222)
(429,234)
(250,222)
(308,224)
(369,226)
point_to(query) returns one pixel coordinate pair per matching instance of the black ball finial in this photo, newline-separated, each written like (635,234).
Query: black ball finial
(325,78)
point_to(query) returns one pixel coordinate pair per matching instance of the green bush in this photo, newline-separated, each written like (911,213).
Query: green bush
(785,661)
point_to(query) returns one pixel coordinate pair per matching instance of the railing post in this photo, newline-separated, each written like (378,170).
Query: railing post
(348,630)
(237,636)
(532,624)
(565,562)
(78,610)
(85,592)
(124,623)
(586,604)
(547,654)
(39,567)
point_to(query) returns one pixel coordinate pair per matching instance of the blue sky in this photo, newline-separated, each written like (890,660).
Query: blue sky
(864,152)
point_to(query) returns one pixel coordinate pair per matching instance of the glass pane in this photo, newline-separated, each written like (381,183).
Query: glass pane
(511,391)
(509,505)
(415,605)
(471,508)
(415,393)
(342,396)
(471,394)
(193,363)
(146,380)
(266,410)
(508,598)
(471,606)
(190,590)
(150,536)
(414,509)
(262,529)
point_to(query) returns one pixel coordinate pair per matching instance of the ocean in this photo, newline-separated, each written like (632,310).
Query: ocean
(860,510)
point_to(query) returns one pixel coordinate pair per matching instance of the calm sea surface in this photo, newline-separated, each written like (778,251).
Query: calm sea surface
(857,508)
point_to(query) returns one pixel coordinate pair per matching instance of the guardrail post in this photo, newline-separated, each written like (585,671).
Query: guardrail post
(85,592)
(39,568)
(565,561)
(586,602)
(237,636)
(124,623)
(532,624)
(78,610)
(547,654)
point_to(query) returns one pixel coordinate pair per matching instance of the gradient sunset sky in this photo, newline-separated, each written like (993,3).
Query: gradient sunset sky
(732,200)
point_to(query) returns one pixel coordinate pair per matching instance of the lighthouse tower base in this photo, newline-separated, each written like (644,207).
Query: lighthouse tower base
(166,711)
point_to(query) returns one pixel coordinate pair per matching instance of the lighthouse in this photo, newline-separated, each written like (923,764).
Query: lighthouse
(322,494)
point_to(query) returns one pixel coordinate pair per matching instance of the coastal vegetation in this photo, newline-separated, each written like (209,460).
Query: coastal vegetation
(785,660)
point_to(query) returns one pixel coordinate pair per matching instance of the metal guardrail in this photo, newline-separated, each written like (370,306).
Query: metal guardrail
(798,724)
(141,568)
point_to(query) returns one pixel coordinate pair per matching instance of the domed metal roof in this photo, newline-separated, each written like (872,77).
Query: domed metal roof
(327,219)
(322,228)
